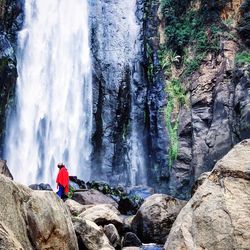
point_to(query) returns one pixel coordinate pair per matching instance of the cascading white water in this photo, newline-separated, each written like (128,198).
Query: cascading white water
(138,173)
(53,117)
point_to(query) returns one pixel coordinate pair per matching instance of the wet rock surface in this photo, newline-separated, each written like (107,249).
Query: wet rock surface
(11,19)
(118,85)
(131,240)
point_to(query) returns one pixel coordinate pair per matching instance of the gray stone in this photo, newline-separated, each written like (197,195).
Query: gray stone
(90,236)
(154,219)
(218,214)
(37,219)
(113,235)
(93,197)
(5,170)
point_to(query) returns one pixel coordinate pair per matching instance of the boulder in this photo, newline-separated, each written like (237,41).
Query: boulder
(113,235)
(48,222)
(5,170)
(218,214)
(131,240)
(103,215)
(155,217)
(90,236)
(75,208)
(92,197)
(8,240)
(38,220)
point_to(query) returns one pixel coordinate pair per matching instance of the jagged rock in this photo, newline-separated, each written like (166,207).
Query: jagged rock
(90,236)
(11,19)
(131,202)
(8,240)
(76,208)
(77,183)
(127,221)
(5,170)
(200,181)
(103,215)
(131,240)
(118,65)
(155,217)
(244,22)
(41,186)
(92,197)
(113,235)
(218,215)
(129,205)
(36,219)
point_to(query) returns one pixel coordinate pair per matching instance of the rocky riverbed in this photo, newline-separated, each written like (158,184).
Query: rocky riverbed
(216,217)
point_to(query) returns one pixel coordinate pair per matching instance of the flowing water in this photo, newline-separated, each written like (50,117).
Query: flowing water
(51,122)
(138,174)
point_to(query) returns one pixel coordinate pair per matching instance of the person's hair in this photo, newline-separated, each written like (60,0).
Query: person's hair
(60,165)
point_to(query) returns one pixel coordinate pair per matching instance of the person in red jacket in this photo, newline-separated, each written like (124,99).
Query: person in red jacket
(62,181)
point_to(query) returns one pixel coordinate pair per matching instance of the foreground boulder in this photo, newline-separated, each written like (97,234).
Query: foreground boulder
(8,240)
(218,215)
(5,170)
(154,219)
(33,219)
(48,222)
(90,236)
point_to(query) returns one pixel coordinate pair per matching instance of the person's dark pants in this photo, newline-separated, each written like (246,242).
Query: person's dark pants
(60,192)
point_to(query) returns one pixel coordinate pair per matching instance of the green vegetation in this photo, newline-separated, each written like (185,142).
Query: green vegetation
(189,39)
(71,192)
(176,98)
(242,58)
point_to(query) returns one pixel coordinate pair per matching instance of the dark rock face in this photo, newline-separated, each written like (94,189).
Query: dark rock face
(11,18)
(117,84)
(244,22)
(215,118)
(41,186)
(241,81)
(158,138)
(131,240)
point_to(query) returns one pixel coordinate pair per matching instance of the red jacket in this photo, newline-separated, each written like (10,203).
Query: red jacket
(63,179)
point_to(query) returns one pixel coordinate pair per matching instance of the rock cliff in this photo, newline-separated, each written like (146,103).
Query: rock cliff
(170,86)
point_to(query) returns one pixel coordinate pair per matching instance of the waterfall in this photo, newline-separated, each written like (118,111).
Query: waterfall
(52,118)
(138,173)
